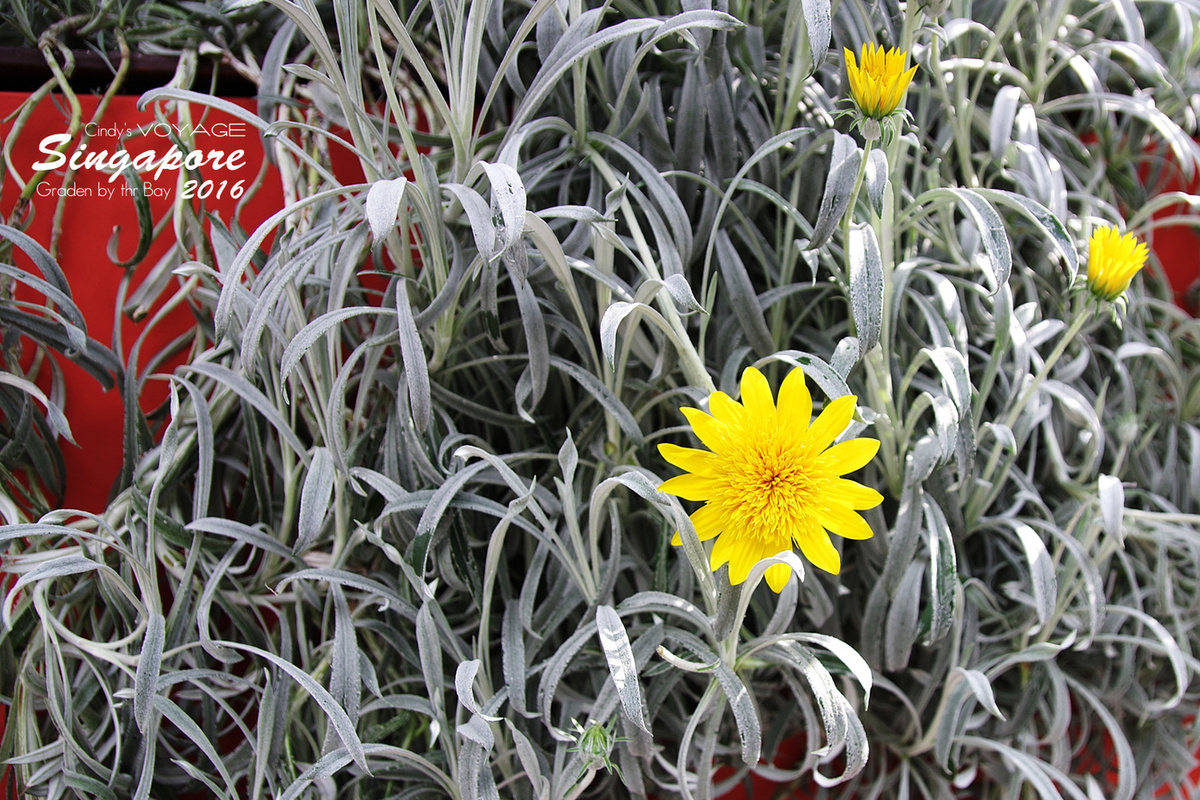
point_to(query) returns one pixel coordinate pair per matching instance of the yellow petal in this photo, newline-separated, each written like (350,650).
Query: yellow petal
(749,552)
(689,487)
(756,398)
(853,73)
(777,576)
(817,548)
(844,522)
(831,423)
(890,99)
(847,456)
(899,87)
(726,409)
(708,521)
(851,494)
(722,551)
(711,432)
(795,402)
(686,458)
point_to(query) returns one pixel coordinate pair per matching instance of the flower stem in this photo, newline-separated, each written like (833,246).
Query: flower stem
(876,363)
(848,217)
(1081,317)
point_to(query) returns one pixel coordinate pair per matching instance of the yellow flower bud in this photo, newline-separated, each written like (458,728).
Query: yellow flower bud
(878,85)
(1113,260)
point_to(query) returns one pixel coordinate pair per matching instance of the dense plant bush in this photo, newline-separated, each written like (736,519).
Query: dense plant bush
(402,535)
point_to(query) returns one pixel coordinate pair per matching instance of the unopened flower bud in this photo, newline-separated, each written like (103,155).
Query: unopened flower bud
(1113,260)
(935,8)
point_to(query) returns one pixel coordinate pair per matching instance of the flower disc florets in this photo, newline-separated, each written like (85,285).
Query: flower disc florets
(772,479)
(1113,260)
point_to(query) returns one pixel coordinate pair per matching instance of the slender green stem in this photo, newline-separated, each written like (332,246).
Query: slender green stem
(1082,316)
(787,266)
(848,217)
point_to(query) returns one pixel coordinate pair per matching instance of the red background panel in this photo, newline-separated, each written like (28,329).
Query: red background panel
(89,221)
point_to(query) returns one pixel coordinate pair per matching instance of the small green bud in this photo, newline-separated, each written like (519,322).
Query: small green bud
(594,743)
(1127,429)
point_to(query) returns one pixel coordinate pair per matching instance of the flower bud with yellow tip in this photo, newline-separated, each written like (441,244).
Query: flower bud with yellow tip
(878,83)
(1113,260)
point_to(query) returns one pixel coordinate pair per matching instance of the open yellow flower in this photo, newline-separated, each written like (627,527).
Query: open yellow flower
(878,85)
(1113,260)
(771,478)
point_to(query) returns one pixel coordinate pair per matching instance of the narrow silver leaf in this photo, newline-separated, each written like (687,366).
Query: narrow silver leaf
(982,689)
(529,762)
(512,651)
(943,571)
(1004,111)
(145,680)
(1041,572)
(345,676)
(742,296)
(508,202)
(479,216)
(900,632)
(744,712)
(843,172)
(876,179)
(621,665)
(568,459)
(412,352)
(464,681)
(866,286)
(818,22)
(681,292)
(314,499)
(953,367)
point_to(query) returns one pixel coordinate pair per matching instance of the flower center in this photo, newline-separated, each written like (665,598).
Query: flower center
(768,486)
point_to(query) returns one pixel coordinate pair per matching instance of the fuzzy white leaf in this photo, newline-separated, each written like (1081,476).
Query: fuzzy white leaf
(383,205)
(1112,503)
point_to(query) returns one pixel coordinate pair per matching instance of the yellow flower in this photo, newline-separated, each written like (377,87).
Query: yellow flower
(879,84)
(1113,260)
(772,478)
